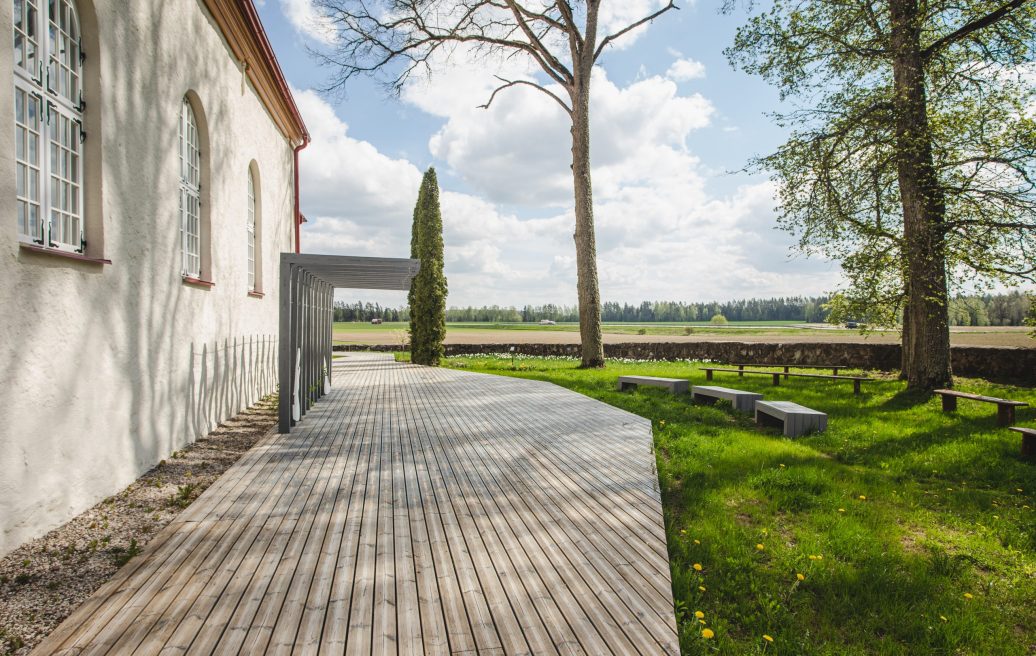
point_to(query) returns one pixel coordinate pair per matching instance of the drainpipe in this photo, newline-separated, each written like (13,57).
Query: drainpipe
(298,214)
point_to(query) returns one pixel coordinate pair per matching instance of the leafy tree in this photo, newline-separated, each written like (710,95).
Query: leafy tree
(397,37)
(913,154)
(718,320)
(428,291)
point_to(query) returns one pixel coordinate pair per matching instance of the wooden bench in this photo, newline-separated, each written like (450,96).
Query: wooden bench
(833,367)
(778,374)
(793,419)
(1028,441)
(674,385)
(1004,407)
(739,400)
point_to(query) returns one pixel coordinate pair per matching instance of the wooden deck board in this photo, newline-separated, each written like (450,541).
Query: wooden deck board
(414,511)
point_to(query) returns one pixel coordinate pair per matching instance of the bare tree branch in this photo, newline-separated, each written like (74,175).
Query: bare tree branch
(632,26)
(512,83)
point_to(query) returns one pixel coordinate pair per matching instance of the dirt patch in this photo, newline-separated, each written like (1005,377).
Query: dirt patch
(43,581)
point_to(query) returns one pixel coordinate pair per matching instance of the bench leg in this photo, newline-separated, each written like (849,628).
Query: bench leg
(856,387)
(834,371)
(1004,415)
(776,379)
(786,373)
(1028,447)
(707,400)
(708,374)
(949,403)
(741,371)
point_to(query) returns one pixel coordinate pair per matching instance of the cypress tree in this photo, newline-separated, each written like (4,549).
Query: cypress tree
(428,291)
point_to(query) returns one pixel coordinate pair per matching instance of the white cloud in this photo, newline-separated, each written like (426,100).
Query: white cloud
(684,70)
(663,231)
(304,17)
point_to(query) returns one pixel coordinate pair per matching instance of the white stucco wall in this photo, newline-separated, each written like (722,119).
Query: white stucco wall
(106,369)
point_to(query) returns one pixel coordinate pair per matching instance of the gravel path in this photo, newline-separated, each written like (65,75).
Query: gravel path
(43,581)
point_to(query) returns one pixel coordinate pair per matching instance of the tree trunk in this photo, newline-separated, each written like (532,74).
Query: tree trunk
(926,346)
(586,243)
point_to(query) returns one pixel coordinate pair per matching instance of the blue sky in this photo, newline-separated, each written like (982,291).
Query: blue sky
(673,123)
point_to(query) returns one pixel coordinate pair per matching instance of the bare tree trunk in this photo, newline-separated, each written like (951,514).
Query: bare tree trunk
(586,242)
(927,334)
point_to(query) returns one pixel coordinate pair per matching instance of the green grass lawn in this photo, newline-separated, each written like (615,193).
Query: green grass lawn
(900,530)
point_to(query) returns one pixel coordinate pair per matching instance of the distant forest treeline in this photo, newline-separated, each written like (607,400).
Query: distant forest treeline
(977,310)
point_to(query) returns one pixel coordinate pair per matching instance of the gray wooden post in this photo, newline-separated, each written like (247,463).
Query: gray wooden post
(284,348)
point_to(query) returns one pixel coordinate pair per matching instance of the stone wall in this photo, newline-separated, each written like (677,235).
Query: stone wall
(991,363)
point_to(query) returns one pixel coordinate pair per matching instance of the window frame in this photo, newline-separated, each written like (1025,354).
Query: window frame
(190,191)
(60,122)
(250,228)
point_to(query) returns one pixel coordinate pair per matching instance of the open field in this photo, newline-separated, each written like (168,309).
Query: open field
(914,531)
(568,333)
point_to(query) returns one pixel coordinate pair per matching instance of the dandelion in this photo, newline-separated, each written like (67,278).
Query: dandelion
(968,595)
(683,531)
(702,622)
(782,465)
(1018,489)
(943,618)
(697,567)
(707,634)
(697,542)
(800,576)
(662,423)
(842,510)
(702,588)
(863,497)
(700,615)
(767,638)
(996,516)
(760,547)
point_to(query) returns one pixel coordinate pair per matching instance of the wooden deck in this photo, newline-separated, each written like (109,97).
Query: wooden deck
(413,511)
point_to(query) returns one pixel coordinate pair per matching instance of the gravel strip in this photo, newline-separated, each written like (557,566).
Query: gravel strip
(43,581)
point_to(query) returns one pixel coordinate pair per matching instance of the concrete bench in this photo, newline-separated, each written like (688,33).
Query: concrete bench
(792,418)
(739,400)
(674,385)
(1004,407)
(776,375)
(1028,441)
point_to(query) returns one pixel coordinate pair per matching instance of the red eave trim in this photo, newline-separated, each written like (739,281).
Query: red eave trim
(271,58)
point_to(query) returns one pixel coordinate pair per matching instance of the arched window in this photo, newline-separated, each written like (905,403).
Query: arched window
(190,191)
(48,109)
(251,232)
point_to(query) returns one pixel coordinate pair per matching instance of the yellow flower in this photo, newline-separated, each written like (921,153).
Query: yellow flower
(968,595)
(697,542)
(943,618)
(996,516)
(767,638)
(782,465)
(697,567)
(683,531)
(702,588)
(1018,489)
(700,615)
(863,498)
(662,423)
(707,633)
(800,576)
(841,510)
(702,622)
(759,547)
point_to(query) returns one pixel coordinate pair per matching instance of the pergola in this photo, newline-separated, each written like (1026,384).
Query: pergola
(307,291)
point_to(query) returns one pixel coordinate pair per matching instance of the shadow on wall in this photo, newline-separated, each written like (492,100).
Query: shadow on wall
(226,377)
